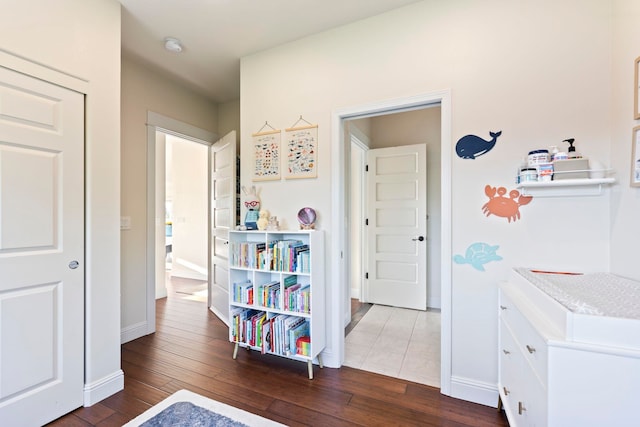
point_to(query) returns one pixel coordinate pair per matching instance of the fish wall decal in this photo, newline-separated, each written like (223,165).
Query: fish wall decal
(472,146)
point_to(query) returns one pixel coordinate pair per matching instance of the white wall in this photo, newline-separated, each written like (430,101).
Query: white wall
(146,90)
(539,71)
(625,202)
(82,39)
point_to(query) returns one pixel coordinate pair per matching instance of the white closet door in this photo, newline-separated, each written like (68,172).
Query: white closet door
(41,250)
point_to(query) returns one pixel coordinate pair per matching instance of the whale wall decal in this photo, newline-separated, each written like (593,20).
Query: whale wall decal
(472,146)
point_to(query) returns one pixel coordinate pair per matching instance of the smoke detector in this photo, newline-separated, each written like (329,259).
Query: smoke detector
(173,45)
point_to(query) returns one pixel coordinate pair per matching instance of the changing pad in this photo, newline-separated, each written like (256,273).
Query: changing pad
(601,294)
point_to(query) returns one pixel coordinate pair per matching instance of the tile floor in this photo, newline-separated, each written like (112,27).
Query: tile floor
(397,342)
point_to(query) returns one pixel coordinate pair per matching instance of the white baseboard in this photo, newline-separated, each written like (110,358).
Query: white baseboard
(474,391)
(133,332)
(103,388)
(330,359)
(434,302)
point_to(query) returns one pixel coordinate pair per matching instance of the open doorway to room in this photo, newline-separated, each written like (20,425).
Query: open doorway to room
(393,281)
(339,287)
(185,211)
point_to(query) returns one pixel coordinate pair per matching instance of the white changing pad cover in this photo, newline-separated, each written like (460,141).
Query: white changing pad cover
(601,294)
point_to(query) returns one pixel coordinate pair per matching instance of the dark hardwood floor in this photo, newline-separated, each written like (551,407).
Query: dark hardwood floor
(190,350)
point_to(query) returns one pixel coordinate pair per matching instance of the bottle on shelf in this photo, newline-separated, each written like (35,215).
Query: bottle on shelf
(572,153)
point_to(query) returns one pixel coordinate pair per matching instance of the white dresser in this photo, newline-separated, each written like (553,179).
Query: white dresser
(569,350)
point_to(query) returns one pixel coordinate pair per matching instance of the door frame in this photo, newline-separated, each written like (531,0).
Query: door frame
(158,123)
(339,272)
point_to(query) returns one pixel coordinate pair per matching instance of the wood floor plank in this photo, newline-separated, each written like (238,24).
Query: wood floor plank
(190,350)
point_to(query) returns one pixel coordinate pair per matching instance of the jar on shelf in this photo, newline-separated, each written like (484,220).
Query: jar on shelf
(536,157)
(528,174)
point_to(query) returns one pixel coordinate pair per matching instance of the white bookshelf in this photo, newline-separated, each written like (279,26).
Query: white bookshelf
(295,293)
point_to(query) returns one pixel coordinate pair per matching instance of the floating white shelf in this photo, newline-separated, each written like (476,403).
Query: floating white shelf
(565,187)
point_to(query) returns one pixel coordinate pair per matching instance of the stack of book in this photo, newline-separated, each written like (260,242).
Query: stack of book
(247,254)
(272,333)
(243,292)
(289,255)
(269,295)
(297,297)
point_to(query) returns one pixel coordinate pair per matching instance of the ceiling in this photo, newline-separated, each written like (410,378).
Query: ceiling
(215,34)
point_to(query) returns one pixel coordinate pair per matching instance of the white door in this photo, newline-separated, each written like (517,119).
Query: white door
(397,226)
(41,250)
(222,219)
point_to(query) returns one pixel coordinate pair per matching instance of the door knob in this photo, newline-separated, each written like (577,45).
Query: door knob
(74,264)
(419,239)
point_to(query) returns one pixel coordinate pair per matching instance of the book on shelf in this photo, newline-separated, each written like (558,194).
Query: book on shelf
(239,317)
(254,329)
(290,322)
(297,297)
(299,331)
(247,254)
(267,333)
(269,294)
(290,285)
(283,254)
(243,292)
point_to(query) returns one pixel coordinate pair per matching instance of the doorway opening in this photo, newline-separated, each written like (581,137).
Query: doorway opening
(160,127)
(394,213)
(185,195)
(341,277)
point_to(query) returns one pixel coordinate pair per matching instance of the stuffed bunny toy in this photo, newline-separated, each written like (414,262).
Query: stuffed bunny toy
(252,204)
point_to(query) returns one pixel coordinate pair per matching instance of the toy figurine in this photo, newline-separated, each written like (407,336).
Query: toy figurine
(252,204)
(273,223)
(264,219)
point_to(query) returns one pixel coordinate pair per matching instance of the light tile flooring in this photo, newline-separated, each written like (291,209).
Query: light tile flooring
(397,342)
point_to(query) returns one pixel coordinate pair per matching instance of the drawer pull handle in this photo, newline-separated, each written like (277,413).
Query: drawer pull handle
(506,351)
(506,392)
(531,349)
(521,408)
(503,307)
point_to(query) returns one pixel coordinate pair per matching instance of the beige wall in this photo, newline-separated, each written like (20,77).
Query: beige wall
(82,39)
(538,71)
(145,90)
(229,119)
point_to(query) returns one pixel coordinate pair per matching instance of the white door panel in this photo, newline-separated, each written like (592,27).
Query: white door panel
(41,233)
(29,201)
(397,215)
(223,219)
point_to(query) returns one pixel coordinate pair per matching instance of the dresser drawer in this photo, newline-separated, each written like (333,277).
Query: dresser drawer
(522,393)
(528,340)
(531,406)
(511,363)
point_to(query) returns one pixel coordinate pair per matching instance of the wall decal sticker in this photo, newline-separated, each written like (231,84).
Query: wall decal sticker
(472,146)
(506,207)
(478,254)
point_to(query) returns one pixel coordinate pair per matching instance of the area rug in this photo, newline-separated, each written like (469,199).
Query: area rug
(187,409)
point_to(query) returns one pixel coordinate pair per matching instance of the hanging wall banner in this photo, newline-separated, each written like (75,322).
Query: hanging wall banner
(302,151)
(266,153)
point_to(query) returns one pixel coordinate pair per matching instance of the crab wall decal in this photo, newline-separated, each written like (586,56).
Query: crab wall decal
(506,207)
